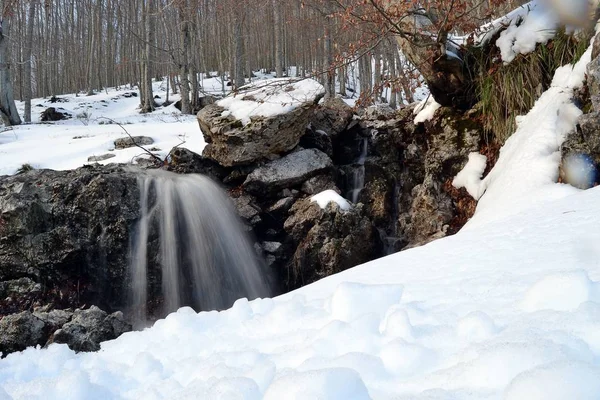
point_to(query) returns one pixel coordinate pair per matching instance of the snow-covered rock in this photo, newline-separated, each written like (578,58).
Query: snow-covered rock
(262,121)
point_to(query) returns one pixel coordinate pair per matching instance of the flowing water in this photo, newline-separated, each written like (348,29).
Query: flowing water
(190,228)
(357,174)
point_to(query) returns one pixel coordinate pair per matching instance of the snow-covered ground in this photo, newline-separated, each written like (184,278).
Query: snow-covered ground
(509,310)
(68,144)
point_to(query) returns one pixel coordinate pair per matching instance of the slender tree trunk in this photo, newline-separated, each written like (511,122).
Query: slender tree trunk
(278,38)
(328,51)
(8,109)
(147,95)
(27,59)
(184,67)
(238,44)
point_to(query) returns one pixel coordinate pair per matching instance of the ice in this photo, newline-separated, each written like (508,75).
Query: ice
(330,196)
(561,292)
(270,98)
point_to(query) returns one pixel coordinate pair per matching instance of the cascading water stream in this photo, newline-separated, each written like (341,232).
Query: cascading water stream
(357,178)
(189,228)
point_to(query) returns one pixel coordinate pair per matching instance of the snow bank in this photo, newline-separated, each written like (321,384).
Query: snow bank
(561,292)
(534,23)
(537,25)
(557,382)
(426,110)
(325,384)
(330,196)
(497,311)
(270,98)
(527,169)
(471,174)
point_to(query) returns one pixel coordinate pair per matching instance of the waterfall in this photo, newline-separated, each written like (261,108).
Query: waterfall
(357,175)
(188,227)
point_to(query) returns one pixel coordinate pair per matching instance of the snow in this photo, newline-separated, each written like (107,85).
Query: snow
(536,26)
(557,382)
(330,196)
(426,110)
(470,176)
(527,169)
(270,98)
(561,292)
(533,23)
(68,144)
(504,309)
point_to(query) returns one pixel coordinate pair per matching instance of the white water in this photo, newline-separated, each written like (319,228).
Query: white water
(206,260)
(357,180)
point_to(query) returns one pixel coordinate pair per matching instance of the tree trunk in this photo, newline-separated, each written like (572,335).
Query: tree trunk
(329,67)
(238,44)
(8,108)
(184,67)
(147,95)
(27,58)
(278,39)
(447,77)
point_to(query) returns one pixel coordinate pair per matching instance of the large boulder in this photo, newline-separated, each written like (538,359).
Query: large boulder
(81,330)
(291,170)
(88,328)
(328,241)
(232,143)
(69,232)
(19,331)
(332,116)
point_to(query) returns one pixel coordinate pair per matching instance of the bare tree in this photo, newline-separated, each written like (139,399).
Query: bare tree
(8,109)
(27,61)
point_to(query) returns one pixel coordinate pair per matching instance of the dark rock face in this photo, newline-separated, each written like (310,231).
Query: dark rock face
(184,161)
(67,231)
(231,143)
(328,241)
(407,170)
(580,164)
(82,330)
(52,114)
(288,171)
(88,328)
(127,142)
(332,117)
(19,331)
